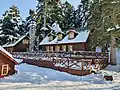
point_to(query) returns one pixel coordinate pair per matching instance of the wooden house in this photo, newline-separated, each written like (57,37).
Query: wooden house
(69,41)
(18,45)
(7,63)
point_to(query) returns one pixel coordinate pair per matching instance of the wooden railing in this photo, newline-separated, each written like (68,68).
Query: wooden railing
(75,54)
(72,62)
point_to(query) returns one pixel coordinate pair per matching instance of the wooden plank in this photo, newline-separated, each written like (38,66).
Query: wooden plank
(82,65)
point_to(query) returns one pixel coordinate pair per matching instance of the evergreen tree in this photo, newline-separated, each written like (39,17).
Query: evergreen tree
(82,14)
(10,25)
(69,16)
(48,11)
(104,24)
(31,17)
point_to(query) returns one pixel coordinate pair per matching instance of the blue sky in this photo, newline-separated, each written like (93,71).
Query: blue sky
(24,5)
(74,2)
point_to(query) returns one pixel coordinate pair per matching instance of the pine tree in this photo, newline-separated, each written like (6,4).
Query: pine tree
(31,17)
(48,11)
(69,16)
(82,13)
(104,24)
(10,25)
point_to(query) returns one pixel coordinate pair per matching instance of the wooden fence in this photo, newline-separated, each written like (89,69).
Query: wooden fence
(77,62)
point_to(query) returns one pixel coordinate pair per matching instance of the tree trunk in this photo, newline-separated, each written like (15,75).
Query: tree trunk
(113,51)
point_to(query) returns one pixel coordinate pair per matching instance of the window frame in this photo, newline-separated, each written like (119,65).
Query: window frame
(47,48)
(64,47)
(5,67)
(25,41)
(51,48)
(71,35)
(50,38)
(70,47)
(57,48)
(60,36)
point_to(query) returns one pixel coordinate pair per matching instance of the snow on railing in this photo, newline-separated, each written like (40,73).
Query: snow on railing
(74,54)
(78,60)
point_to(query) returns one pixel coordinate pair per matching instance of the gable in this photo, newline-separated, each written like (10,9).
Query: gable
(7,55)
(15,43)
(25,40)
(4,59)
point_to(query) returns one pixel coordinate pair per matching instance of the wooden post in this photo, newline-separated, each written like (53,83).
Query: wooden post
(82,65)
(68,63)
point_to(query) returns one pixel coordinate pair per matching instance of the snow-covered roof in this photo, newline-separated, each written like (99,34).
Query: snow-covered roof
(7,53)
(45,41)
(2,49)
(15,43)
(81,37)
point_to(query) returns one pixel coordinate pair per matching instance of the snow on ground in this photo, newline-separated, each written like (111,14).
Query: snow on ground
(36,78)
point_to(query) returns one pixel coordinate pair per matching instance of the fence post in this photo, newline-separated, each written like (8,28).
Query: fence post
(82,65)
(68,62)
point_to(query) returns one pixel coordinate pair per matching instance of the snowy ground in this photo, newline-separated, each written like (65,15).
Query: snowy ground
(35,78)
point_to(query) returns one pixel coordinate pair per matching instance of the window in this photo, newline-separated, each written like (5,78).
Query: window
(10,49)
(5,68)
(51,48)
(51,38)
(25,41)
(71,35)
(47,48)
(63,47)
(57,48)
(59,36)
(70,48)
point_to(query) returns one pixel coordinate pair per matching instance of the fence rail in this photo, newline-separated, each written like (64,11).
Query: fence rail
(75,54)
(77,62)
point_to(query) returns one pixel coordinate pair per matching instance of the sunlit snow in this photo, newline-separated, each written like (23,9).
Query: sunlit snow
(36,78)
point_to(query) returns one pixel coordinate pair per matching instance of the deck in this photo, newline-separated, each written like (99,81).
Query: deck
(76,63)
